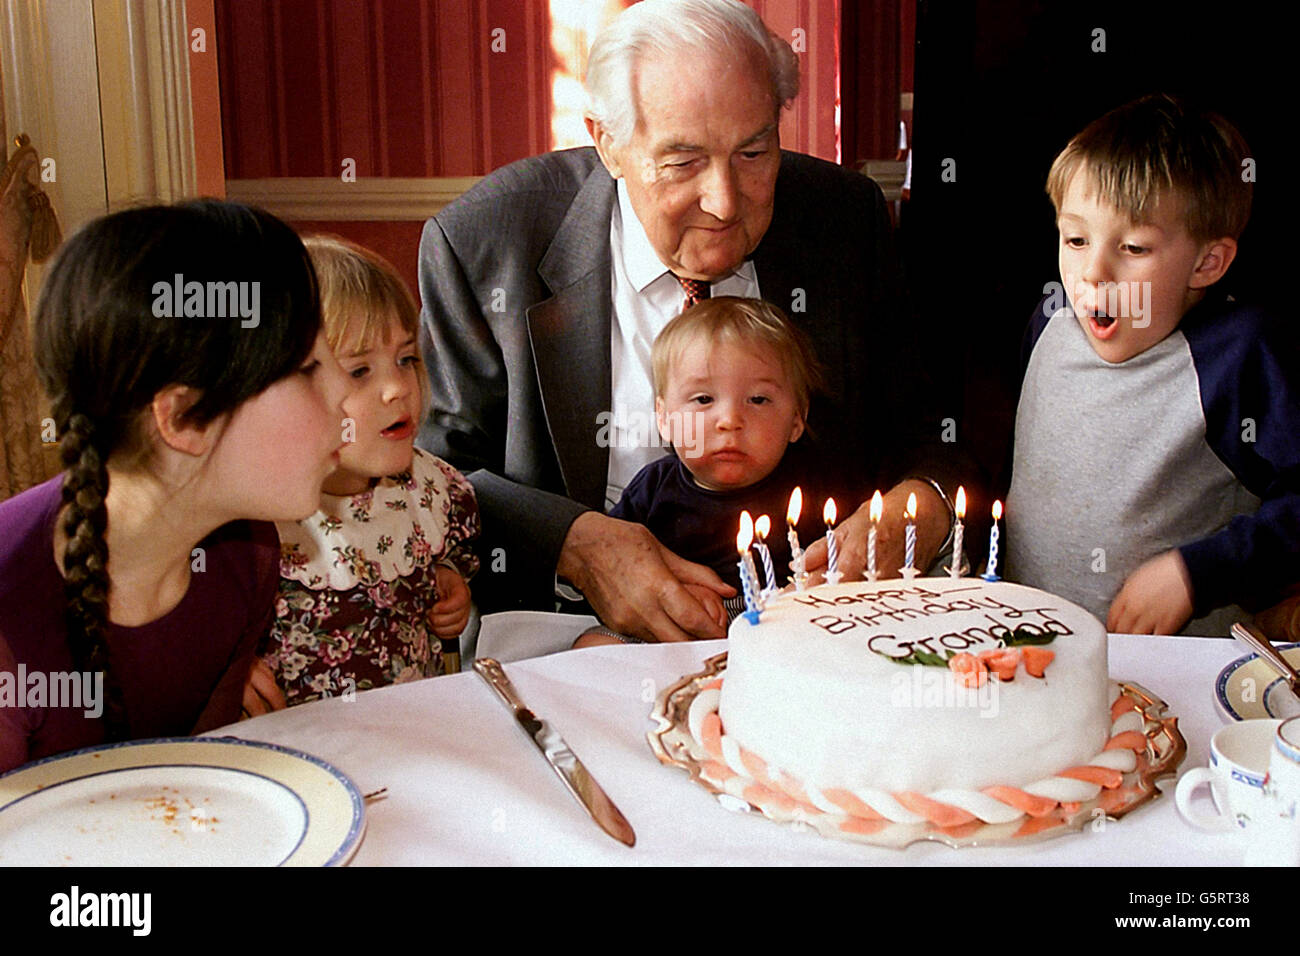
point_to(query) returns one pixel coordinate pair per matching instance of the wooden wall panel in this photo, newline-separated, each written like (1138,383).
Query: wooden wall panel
(205,101)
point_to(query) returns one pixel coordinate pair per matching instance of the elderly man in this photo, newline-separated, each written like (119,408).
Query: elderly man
(545,285)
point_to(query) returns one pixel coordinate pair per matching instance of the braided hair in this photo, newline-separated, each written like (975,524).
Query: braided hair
(104,351)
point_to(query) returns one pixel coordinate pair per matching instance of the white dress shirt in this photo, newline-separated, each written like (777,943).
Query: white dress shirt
(645,297)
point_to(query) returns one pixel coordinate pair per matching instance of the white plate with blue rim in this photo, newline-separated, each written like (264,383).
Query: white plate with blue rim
(1248,689)
(201,801)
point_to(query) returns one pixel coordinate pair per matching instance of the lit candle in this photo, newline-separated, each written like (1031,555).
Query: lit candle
(796,552)
(747,581)
(909,541)
(957,532)
(761,527)
(748,556)
(991,574)
(877,509)
(832,552)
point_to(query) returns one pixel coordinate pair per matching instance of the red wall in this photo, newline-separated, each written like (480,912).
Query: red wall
(402,88)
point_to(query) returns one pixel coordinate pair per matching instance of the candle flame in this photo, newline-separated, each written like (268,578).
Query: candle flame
(877,506)
(762,526)
(911,506)
(746,535)
(961,502)
(997,511)
(828,512)
(796,506)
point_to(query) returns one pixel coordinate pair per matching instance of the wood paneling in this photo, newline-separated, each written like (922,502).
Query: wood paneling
(205,100)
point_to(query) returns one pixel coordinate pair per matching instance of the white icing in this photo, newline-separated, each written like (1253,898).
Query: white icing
(731,756)
(804,691)
(979,804)
(1063,789)
(1122,760)
(889,808)
(1130,720)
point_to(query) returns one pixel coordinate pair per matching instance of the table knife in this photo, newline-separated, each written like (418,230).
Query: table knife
(1254,638)
(557,753)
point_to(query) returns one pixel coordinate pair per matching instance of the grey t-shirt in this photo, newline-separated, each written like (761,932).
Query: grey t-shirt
(1112,468)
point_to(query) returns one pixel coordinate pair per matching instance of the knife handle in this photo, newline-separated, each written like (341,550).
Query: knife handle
(1253,638)
(490,669)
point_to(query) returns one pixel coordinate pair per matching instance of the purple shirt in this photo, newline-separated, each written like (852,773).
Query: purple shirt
(183,673)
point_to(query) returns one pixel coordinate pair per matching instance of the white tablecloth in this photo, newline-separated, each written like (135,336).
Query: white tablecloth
(465,786)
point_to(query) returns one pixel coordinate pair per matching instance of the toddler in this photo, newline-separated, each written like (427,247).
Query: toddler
(1156,475)
(733,380)
(373,585)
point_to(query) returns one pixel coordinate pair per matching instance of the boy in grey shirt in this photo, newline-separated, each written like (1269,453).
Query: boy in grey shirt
(1156,477)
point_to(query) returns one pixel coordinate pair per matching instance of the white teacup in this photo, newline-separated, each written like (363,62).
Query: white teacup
(1275,841)
(1239,762)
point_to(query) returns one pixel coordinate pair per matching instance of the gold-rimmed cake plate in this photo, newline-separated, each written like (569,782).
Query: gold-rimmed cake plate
(675,745)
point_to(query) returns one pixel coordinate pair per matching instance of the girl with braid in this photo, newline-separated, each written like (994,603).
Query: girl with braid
(195,402)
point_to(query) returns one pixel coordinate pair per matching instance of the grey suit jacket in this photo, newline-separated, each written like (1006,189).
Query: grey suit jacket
(515,281)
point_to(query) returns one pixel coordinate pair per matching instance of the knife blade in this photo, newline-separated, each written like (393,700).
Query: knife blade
(1254,638)
(563,761)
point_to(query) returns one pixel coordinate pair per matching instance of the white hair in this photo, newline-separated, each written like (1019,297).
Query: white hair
(681,29)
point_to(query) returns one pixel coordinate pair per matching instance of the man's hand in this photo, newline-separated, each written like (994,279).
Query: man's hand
(450,614)
(637,586)
(1156,598)
(851,534)
(261,693)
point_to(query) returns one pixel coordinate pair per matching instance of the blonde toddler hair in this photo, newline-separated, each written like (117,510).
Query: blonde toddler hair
(748,322)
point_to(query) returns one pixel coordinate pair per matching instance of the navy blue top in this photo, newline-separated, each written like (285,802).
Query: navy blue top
(701,525)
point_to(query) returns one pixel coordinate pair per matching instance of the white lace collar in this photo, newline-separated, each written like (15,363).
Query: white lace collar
(385,533)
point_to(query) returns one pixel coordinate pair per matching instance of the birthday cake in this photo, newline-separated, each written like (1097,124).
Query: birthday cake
(933,700)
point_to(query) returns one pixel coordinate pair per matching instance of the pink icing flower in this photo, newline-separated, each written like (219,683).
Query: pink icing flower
(968,670)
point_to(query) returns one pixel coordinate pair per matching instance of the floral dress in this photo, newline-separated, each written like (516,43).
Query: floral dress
(357,582)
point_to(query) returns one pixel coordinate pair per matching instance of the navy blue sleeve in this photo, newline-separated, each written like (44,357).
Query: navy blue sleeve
(1042,314)
(1046,308)
(639,495)
(1250,393)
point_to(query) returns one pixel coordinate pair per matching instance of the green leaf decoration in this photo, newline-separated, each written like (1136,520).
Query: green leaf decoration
(1020,637)
(923,657)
